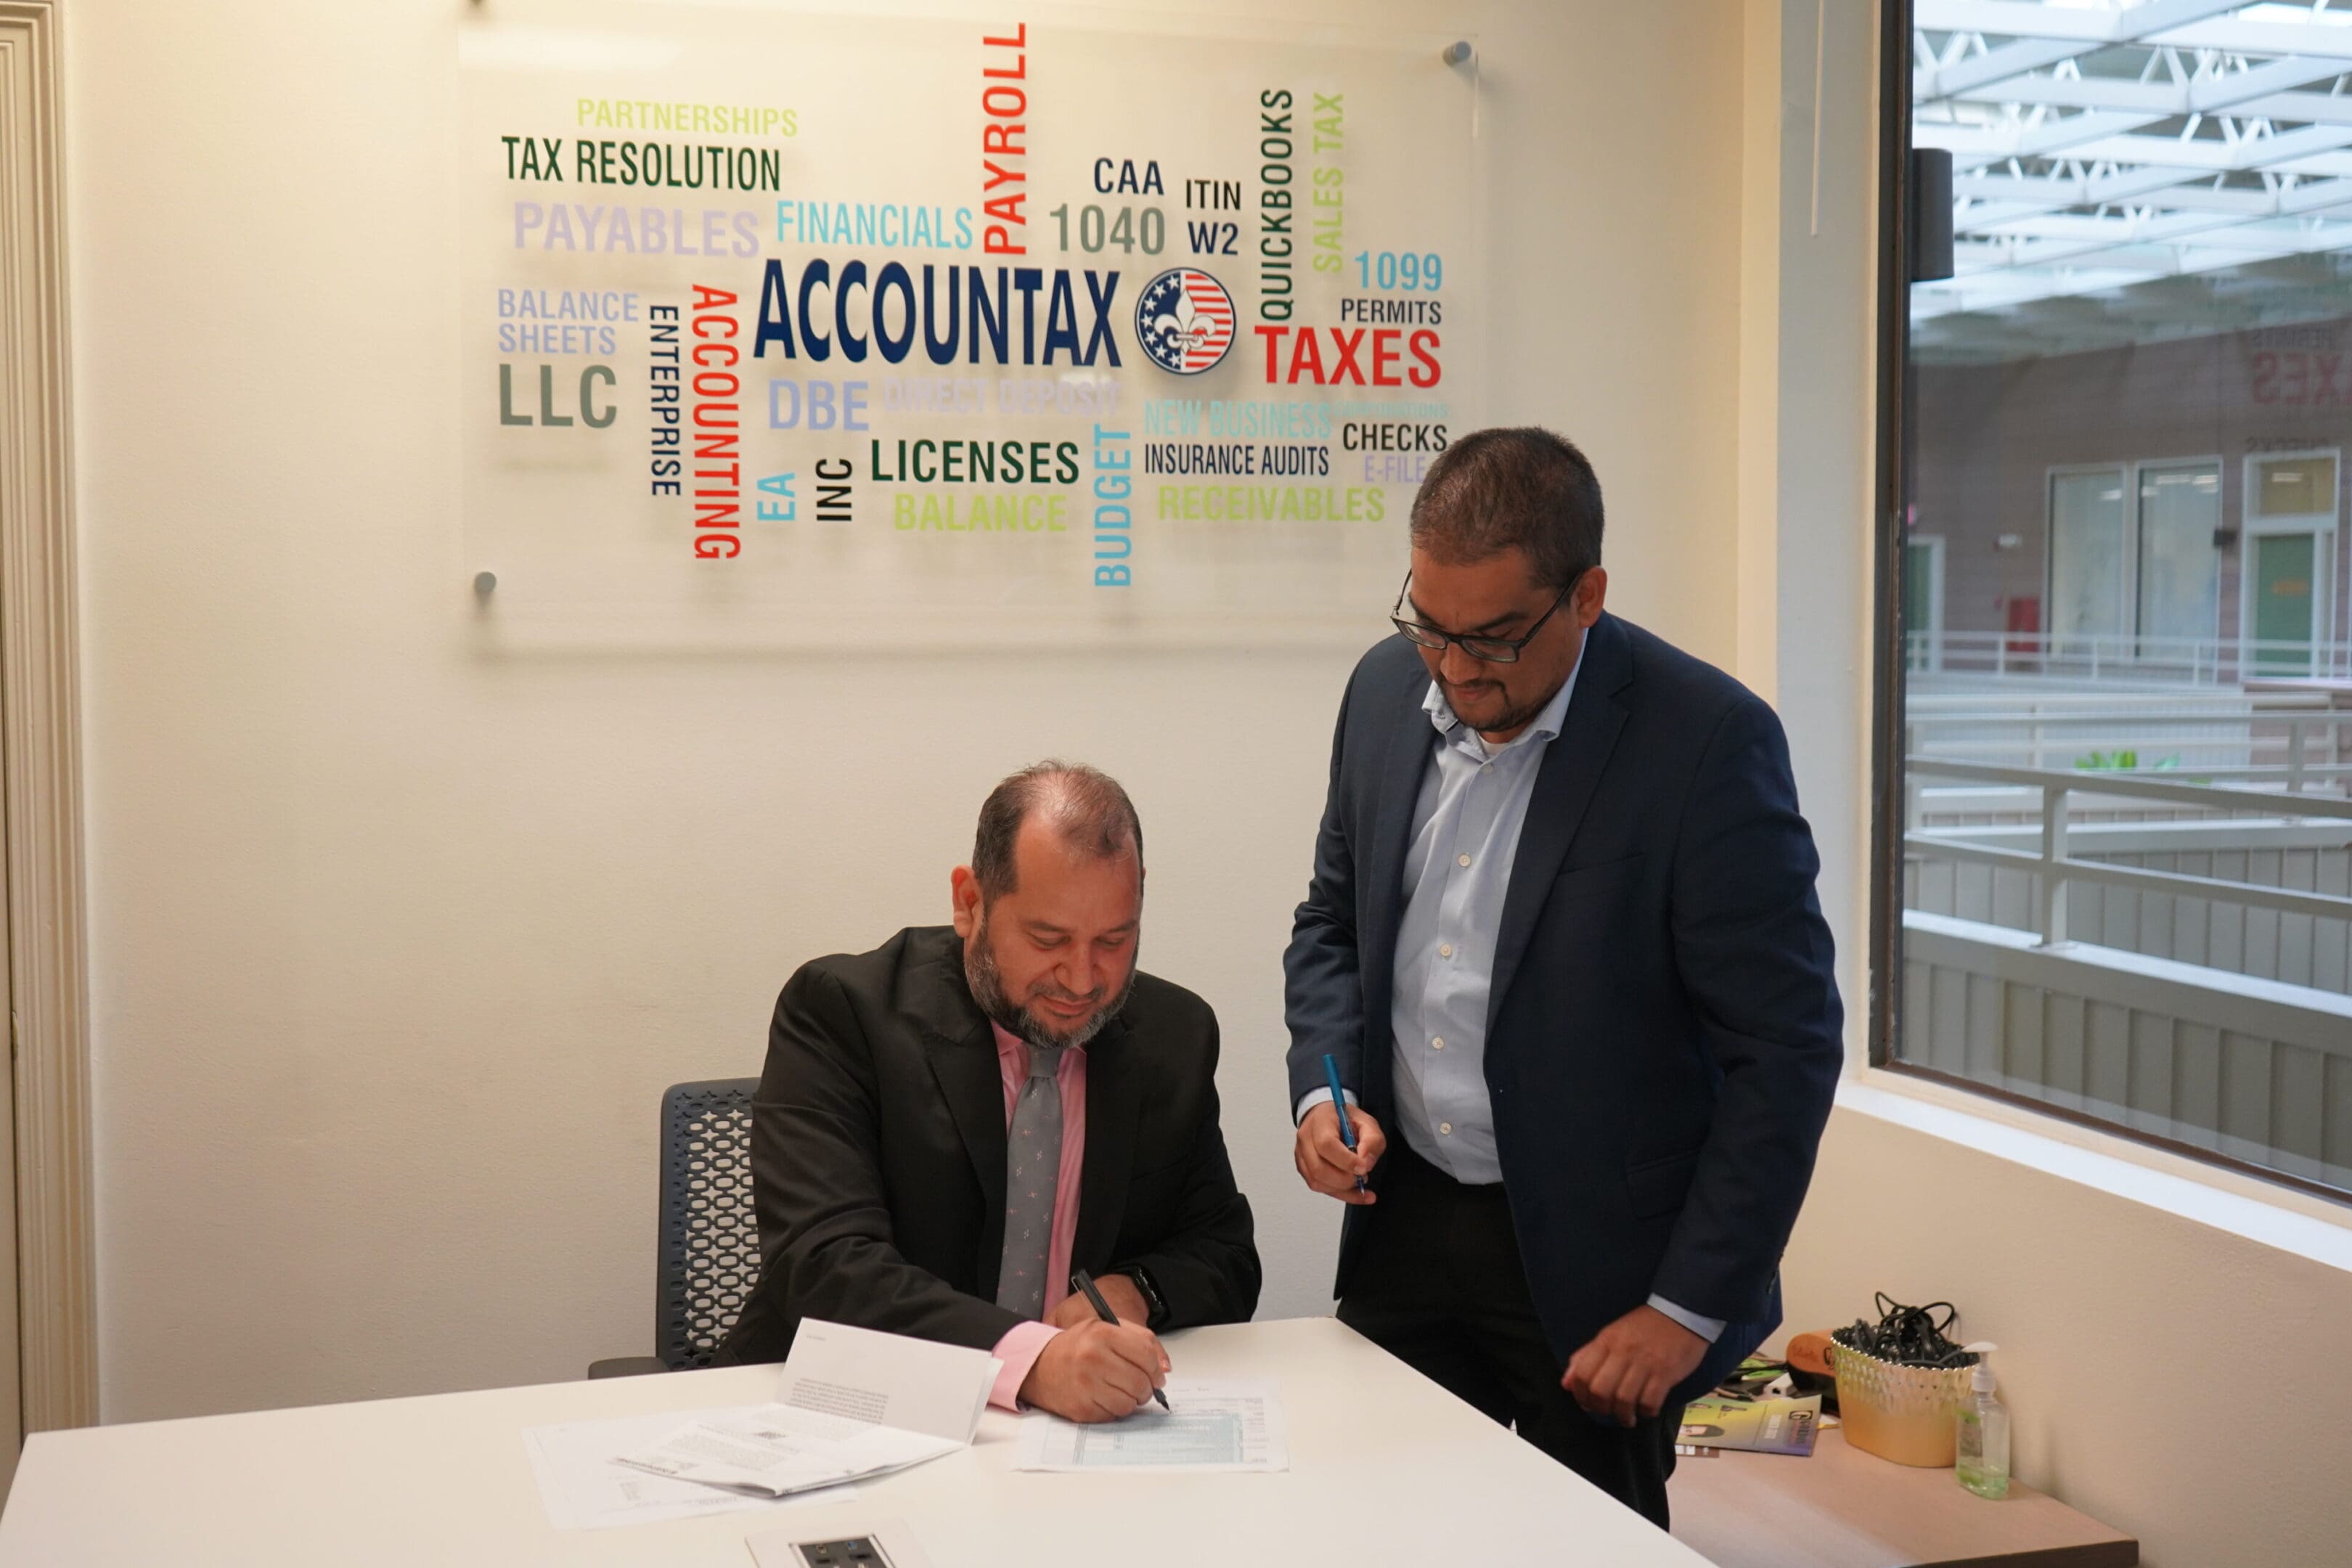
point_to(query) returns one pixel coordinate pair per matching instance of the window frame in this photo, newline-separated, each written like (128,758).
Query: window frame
(1889,683)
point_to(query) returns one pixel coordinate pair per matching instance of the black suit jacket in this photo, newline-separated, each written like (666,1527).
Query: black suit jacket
(877,1155)
(1664,1032)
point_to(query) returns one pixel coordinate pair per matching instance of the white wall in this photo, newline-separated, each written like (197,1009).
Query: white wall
(2168,1330)
(395,943)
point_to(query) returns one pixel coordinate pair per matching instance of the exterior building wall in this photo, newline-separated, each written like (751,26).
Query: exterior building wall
(1988,436)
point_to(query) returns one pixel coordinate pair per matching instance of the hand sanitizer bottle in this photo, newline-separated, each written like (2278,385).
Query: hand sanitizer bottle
(1981,1444)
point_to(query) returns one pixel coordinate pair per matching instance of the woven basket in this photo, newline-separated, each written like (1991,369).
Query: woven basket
(1899,1413)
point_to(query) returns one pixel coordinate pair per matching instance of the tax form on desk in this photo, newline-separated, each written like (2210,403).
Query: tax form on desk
(1213,1424)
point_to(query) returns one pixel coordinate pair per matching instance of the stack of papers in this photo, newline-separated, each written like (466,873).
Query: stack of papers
(779,1449)
(852,1403)
(584,1486)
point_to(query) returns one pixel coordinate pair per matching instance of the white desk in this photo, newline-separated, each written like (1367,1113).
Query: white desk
(1385,1467)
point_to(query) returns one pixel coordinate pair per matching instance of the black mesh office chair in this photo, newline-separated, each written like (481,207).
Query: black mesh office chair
(708,1258)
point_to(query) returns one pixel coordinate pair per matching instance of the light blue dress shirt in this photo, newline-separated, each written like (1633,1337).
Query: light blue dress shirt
(1465,836)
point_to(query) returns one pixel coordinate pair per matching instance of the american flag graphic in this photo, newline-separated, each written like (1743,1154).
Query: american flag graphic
(1184,320)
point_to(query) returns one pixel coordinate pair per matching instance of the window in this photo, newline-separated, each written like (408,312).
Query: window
(2178,565)
(2087,555)
(2134,562)
(2116,777)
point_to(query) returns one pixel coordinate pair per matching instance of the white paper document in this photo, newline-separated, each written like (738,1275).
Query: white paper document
(584,1487)
(890,1380)
(1213,1424)
(852,1403)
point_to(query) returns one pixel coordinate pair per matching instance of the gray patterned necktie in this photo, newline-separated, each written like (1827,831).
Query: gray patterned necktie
(1032,1166)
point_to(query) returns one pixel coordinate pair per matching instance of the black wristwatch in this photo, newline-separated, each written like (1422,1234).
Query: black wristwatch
(1155,1305)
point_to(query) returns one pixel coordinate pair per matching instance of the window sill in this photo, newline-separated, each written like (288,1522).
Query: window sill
(2307,1225)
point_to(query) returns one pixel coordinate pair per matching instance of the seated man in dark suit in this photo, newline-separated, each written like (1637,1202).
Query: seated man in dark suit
(950,1125)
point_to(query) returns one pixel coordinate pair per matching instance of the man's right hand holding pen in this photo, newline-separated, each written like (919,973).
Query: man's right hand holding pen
(1325,1162)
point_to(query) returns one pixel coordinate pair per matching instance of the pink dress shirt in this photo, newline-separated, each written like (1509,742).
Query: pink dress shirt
(1023,1342)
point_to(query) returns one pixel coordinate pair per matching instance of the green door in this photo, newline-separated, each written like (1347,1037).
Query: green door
(2285,591)
(1922,604)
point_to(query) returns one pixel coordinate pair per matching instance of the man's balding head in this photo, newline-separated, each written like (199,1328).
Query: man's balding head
(1083,808)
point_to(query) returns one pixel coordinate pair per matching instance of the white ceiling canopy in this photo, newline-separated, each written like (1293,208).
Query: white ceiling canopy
(2099,146)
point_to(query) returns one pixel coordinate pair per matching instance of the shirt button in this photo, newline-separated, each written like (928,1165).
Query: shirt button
(1446,1128)
(1438,1043)
(1486,767)
(1462,859)
(1444,950)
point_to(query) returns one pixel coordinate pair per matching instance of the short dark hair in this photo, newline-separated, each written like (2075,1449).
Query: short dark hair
(1088,811)
(1519,489)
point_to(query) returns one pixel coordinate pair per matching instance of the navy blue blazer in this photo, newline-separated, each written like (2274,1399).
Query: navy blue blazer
(1664,1034)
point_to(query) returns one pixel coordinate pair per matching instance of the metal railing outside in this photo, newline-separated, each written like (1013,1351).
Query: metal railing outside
(2191,661)
(2055,868)
(2311,743)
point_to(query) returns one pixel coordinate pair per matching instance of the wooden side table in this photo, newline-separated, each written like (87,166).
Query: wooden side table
(1845,1508)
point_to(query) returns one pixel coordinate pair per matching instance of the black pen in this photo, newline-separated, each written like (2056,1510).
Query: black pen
(1086,1281)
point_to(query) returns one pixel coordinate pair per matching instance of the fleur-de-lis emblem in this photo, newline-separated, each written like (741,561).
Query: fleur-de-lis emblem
(1184,320)
(1184,325)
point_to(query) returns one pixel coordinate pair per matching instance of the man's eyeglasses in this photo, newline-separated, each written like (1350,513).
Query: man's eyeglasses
(1486,650)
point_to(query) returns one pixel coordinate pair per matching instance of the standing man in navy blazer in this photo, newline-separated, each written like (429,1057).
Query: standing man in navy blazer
(1562,940)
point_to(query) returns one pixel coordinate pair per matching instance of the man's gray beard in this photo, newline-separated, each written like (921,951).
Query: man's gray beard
(987,982)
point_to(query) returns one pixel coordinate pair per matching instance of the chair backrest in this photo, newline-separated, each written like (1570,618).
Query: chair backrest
(709,1258)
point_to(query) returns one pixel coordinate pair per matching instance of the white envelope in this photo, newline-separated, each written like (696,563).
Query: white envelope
(890,1380)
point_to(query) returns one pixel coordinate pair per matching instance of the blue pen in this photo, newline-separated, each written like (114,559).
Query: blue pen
(1339,1104)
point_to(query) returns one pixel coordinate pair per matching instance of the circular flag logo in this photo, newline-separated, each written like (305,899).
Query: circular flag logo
(1184,318)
